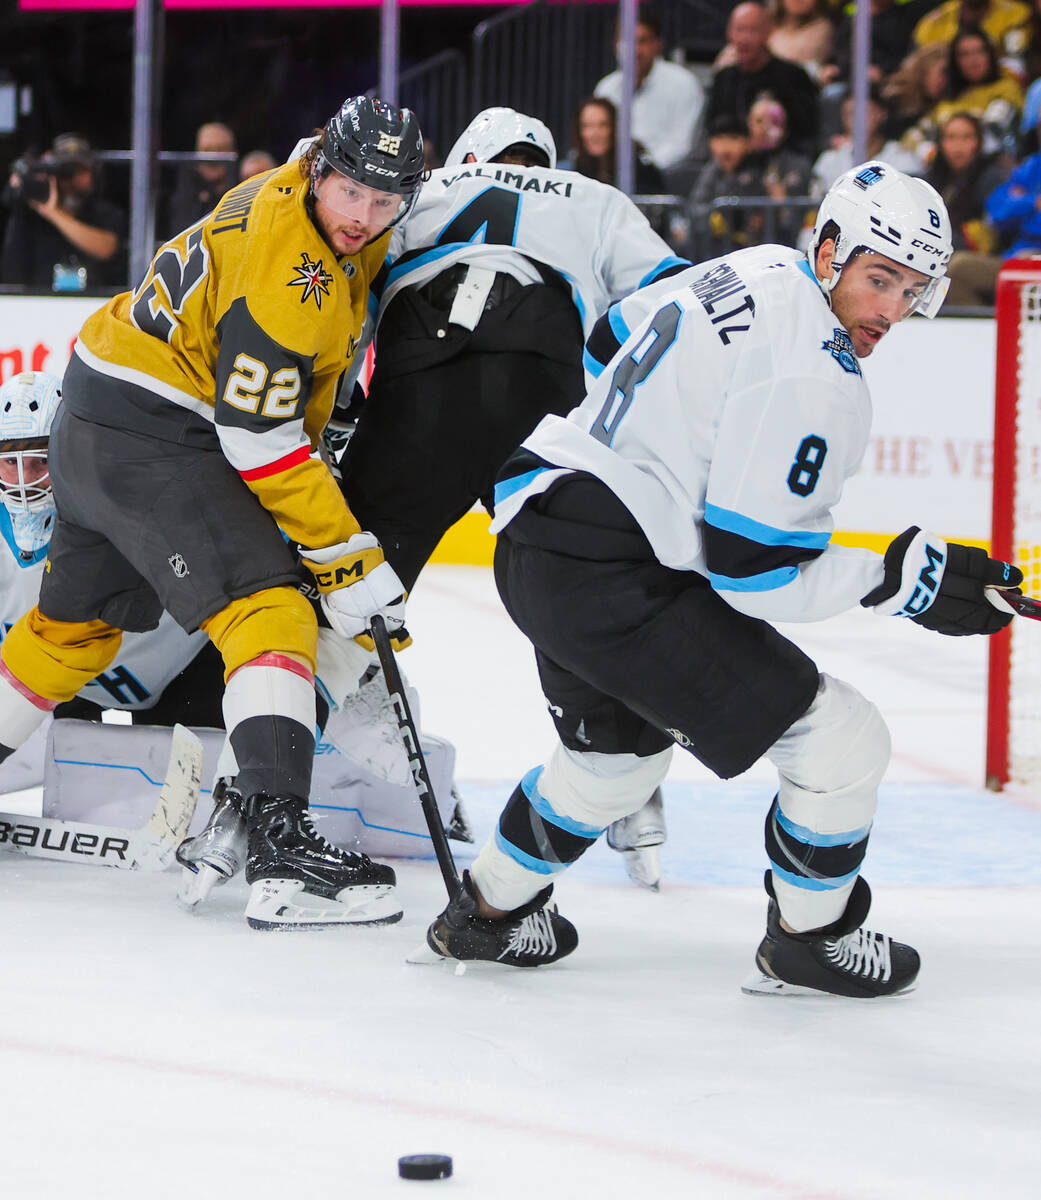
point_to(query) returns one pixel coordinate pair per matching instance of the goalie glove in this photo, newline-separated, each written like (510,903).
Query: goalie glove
(941,584)
(356,583)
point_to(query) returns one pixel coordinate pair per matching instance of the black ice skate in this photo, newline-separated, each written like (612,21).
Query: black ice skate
(298,880)
(841,959)
(218,852)
(529,936)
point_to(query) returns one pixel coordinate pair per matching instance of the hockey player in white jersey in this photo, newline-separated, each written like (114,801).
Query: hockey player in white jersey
(492,284)
(646,542)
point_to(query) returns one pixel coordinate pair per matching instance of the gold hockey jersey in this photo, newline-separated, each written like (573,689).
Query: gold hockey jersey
(237,336)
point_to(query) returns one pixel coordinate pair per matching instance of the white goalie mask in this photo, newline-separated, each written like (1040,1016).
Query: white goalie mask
(495,130)
(28,402)
(876,207)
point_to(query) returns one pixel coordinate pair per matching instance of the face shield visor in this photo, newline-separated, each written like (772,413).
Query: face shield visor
(368,206)
(929,299)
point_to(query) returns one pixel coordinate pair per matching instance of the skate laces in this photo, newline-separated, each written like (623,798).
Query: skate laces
(533,936)
(861,953)
(350,856)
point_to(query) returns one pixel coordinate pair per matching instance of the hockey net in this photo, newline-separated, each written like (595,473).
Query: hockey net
(1014,683)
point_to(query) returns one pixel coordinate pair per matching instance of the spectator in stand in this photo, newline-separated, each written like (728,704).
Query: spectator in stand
(1003,21)
(755,71)
(803,33)
(892,22)
(976,84)
(202,186)
(62,235)
(1014,209)
(667,101)
(256,162)
(965,175)
(720,229)
(916,87)
(782,173)
(838,158)
(594,155)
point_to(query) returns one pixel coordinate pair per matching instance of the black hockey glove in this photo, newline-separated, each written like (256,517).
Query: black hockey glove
(940,585)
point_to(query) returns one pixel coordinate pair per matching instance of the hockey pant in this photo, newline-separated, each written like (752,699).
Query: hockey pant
(829,762)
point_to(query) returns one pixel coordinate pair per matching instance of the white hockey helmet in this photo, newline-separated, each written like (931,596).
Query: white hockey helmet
(876,207)
(495,130)
(28,402)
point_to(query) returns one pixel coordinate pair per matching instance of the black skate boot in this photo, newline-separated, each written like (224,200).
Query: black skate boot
(529,936)
(298,880)
(219,851)
(841,960)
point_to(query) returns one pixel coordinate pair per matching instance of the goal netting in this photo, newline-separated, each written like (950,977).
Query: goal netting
(1014,684)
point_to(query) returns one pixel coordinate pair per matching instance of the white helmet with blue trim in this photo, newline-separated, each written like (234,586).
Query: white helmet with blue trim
(497,129)
(28,403)
(876,207)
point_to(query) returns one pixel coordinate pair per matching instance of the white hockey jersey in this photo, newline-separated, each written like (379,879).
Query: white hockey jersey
(146,662)
(727,423)
(514,219)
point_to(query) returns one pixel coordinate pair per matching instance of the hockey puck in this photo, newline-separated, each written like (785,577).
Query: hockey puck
(425,1166)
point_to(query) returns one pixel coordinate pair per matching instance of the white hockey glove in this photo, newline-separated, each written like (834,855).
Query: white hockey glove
(356,583)
(941,584)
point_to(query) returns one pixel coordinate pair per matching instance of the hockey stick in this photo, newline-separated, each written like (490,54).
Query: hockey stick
(1024,606)
(460,900)
(150,848)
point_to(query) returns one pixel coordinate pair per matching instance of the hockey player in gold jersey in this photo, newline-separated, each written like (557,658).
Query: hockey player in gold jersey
(186,477)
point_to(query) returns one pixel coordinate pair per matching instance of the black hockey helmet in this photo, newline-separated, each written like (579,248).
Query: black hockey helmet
(376,144)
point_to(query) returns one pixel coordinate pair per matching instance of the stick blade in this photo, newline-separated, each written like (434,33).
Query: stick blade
(168,825)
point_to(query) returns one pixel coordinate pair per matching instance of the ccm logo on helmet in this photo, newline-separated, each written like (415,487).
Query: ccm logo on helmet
(371,167)
(920,245)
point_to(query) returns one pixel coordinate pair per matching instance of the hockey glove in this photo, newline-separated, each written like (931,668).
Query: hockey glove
(940,585)
(356,583)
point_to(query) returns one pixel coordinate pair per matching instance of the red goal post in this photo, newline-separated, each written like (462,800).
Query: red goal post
(1014,675)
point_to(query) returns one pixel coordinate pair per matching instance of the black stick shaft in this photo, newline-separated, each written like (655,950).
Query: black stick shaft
(416,761)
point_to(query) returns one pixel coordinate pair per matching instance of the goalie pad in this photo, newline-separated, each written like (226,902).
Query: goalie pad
(111,775)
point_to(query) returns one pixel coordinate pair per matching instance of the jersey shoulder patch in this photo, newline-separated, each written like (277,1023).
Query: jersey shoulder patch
(840,347)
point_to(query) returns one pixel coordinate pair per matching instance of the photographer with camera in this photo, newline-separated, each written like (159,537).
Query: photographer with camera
(61,235)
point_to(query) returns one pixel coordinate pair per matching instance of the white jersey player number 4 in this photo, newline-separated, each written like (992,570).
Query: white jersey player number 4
(150,848)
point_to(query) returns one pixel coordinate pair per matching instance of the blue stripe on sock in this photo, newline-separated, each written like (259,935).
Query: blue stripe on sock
(537,865)
(529,786)
(813,885)
(812,838)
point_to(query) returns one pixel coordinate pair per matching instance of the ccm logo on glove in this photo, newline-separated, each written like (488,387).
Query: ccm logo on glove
(941,584)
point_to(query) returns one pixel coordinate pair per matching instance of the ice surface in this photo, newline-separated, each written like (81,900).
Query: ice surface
(150,1053)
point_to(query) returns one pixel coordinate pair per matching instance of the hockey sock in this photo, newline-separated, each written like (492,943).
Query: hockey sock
(813,872)
(21,711)
(269,712)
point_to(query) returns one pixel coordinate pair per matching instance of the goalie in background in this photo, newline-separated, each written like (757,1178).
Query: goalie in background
(646,543)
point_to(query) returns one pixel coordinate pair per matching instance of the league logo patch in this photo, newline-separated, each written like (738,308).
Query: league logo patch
(870,175)
(313,278)
(841,350)
(178,565)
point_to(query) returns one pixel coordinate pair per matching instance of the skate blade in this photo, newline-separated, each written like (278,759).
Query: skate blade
(196,885)
(643,866)
(423,956)
(759,984)
(283,904)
